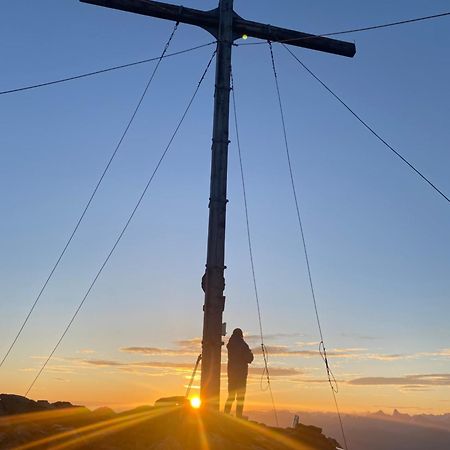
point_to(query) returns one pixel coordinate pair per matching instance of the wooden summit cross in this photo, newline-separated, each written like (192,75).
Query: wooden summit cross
(226,26)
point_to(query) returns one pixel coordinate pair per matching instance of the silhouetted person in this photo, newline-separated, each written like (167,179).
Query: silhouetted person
(239,357)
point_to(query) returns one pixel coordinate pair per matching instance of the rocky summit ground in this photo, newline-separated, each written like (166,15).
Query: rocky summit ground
(26,424)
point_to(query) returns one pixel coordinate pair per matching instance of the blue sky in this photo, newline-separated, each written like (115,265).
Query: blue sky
(377,235)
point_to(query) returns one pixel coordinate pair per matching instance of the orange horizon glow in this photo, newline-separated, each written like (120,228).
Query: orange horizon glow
(128,395)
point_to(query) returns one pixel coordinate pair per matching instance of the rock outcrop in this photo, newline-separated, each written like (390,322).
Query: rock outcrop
(16,404)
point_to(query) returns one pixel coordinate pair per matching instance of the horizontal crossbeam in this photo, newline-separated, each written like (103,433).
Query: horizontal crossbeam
(204,19)
(292,37)
(209,20)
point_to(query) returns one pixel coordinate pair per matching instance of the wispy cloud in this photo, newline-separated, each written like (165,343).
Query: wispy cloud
(62,380)
(445,352)
(147,364)
(192,347)
(415,381)
(350,353)
(160,351)
(308,343)
(190,343)
(386,356)
(302,349)
(86,351)
(177,367)
(53,368)
(414,388)
(275,371)
(256,338)
(283,350)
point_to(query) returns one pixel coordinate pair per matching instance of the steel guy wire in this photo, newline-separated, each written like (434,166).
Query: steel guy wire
(108,69)
(368,127)
(130,218)
(322,349)
(264,352)
(91,198)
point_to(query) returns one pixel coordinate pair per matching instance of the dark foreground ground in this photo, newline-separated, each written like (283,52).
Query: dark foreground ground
(25,424)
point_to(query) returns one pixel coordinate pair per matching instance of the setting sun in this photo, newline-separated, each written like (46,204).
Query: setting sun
(196,402)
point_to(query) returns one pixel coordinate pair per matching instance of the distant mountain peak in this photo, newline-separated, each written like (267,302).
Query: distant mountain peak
(397,414)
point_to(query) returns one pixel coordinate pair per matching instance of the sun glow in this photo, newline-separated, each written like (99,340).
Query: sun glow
(196,402)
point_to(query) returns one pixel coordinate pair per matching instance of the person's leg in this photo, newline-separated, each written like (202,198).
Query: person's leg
(240,401)
(230,400)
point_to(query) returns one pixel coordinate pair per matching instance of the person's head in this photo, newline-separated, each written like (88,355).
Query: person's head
(237,333)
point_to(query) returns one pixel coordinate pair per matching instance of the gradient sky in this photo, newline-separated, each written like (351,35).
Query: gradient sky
(378,236)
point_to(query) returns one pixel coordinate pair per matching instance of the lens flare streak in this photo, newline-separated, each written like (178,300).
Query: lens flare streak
(92,431)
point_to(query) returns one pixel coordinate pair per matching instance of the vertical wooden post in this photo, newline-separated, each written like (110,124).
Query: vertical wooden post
(213,281)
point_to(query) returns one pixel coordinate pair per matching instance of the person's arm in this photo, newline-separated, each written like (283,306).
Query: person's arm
(250,356)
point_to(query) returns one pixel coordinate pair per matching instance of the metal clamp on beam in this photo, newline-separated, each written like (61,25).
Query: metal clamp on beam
(217,201)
